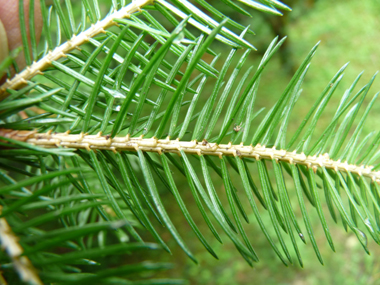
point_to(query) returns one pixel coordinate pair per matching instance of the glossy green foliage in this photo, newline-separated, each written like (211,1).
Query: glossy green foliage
(146,76)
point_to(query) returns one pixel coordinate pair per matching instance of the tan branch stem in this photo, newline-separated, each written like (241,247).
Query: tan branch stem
(98,142)
(77,40)
(23,266)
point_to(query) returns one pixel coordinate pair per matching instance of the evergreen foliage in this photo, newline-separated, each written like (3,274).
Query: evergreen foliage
(111,116)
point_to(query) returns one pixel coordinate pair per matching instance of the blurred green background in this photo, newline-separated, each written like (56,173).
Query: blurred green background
(349,31)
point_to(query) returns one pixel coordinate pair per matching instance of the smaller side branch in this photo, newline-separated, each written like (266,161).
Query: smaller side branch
(82,141)
(61,51)
(9,242)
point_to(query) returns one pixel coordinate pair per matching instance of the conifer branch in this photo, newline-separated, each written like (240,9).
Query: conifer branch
(126,143)
(22,264)
(76,40)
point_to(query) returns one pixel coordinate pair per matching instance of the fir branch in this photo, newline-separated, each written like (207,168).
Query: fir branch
(258,152)
(22,264)
(75,41)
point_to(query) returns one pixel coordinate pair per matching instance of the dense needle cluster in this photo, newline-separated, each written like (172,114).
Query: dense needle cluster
(81,127)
